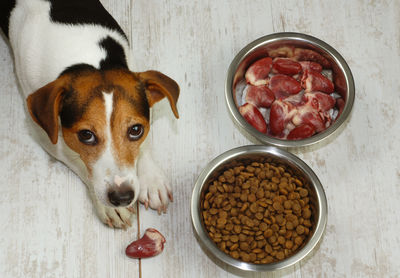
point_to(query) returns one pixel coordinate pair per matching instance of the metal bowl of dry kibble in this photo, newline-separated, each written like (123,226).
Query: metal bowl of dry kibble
(258,208)
(289,90)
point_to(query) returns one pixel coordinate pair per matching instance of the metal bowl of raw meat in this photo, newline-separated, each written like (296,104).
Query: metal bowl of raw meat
(302,49)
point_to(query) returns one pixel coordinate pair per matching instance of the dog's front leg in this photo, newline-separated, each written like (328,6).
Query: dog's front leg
(155,190)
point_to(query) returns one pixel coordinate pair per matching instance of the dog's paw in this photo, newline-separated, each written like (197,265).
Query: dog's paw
(155,191)
(118,217)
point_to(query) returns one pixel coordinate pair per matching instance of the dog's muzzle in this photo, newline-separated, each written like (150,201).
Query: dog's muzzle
(121,194)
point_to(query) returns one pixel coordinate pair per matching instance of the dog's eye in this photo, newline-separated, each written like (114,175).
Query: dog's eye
(87,137)
(135,132)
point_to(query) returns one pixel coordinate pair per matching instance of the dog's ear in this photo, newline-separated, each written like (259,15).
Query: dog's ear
(44,106)
(159,86)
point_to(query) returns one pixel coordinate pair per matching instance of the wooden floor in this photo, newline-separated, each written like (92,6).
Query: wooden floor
(49,228)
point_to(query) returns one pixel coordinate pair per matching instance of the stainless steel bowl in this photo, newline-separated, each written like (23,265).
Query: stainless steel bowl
(342,78)
(276,155)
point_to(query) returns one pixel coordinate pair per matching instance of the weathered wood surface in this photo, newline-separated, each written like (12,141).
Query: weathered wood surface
(49,228)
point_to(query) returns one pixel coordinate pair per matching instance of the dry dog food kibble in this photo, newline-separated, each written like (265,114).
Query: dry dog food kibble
(257,212)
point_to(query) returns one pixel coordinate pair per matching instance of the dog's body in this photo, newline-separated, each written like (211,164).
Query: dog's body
(87,109)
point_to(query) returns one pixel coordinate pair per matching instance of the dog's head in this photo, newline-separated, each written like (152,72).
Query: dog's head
(103,116)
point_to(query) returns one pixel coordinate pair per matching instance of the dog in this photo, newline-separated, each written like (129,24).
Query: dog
(85,106)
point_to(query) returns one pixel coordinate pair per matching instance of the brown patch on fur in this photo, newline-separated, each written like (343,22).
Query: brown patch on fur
(93,119)
(159,86)
(44,106)
(126,84)
(82,88)
(123,117)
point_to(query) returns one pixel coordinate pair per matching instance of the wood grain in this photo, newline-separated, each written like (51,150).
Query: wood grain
(50,228)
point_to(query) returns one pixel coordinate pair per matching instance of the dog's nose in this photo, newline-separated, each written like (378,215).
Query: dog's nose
(121,197)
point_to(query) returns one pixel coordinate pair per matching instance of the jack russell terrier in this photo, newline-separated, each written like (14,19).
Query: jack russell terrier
(86,107)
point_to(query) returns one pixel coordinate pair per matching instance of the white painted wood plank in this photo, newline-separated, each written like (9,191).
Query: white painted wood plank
(353,244)
(50,228)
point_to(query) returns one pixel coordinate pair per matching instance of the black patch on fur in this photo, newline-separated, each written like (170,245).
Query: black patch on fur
(144,107)
(71,111)
(115,55)
(6,6)
(78,68)
(140,103)
(83,12)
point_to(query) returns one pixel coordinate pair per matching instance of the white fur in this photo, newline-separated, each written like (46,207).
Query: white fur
(42,50)
(106,168)
(155,190)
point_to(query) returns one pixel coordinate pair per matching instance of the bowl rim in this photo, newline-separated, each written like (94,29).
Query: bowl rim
(275,152)
(263,138)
